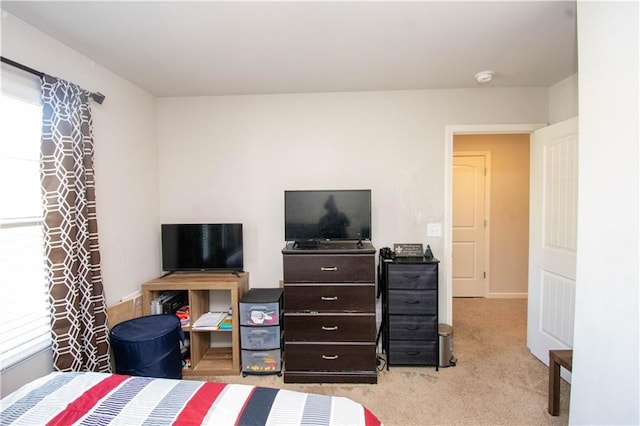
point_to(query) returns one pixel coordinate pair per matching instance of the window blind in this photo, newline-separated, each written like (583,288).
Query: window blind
(24,317)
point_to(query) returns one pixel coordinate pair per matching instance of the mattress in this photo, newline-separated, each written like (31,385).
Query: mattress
(112,399)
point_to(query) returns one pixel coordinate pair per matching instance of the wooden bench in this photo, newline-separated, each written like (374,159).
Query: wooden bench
(557,358)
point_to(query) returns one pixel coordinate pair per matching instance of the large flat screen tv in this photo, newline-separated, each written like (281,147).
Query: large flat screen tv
(202,247)
(326,215)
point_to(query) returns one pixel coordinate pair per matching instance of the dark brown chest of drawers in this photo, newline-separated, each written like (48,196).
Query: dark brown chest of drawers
(410,311)
(330,320)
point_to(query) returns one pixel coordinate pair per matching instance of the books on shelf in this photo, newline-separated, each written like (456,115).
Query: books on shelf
(226,324)
(210,321)
(168,302)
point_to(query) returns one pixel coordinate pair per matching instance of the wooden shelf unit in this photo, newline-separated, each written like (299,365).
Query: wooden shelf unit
(205,359)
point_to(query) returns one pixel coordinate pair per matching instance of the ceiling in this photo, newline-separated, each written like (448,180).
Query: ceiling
(176,48)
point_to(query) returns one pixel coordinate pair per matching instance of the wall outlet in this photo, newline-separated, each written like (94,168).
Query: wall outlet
(434,229)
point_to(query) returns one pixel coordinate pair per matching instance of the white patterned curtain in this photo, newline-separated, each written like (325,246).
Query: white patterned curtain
(78,308)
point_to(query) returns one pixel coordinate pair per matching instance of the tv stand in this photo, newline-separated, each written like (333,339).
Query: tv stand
(330,313)
(212,352)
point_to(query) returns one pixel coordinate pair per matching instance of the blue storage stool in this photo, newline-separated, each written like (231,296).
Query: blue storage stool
(148,346)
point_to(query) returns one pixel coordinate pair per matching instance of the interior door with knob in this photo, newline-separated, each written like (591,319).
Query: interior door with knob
(469,225)
(553,238)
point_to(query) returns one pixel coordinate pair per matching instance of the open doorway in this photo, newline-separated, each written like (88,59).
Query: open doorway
(446,293)
(552,229)
(490,215)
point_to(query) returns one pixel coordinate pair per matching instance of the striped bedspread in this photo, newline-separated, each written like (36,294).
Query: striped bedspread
(100,399)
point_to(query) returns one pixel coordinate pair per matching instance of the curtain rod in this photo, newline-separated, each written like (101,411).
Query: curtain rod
(97,96)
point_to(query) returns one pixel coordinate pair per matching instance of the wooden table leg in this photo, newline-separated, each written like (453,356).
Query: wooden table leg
(554,385)
(557,358)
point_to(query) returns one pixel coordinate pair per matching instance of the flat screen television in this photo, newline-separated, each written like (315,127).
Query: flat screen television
(202,247)
(326,215)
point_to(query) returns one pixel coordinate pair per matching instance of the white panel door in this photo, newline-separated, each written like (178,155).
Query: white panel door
(552,238)
(468,225)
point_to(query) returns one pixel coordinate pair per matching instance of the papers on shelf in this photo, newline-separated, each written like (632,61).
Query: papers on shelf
(210,321)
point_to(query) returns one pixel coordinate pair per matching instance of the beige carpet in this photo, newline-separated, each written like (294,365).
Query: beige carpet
(495,382)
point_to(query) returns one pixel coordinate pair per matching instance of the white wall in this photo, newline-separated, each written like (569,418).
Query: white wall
(125,163)
(230,158)
(563,100)
(605,383)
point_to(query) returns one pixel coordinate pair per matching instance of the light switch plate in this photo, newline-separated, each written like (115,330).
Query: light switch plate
(434,229)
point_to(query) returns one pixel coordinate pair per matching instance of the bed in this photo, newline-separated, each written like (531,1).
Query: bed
(101,398)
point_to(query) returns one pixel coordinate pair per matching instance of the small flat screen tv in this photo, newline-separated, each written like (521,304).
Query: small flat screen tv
(202,247)
(326,215)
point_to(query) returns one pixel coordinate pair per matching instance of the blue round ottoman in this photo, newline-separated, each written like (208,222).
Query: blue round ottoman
(148,346)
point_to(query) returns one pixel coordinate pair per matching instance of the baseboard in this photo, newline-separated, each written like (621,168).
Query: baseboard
(508,295)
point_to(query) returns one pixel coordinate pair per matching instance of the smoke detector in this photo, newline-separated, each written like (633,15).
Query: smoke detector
(484,77)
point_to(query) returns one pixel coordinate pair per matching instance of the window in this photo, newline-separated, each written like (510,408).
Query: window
(24,317)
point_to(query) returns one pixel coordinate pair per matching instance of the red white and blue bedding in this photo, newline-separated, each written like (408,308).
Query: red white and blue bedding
(101,399)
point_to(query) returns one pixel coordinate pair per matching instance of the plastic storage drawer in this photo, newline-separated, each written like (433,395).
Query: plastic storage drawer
(261,361)
(260,314)
(260,337)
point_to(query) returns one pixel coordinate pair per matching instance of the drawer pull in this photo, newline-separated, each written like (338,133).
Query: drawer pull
(333,328)
(412,277)
(411,302)
(412,328)
(330,357)
(412,353)
(329,299)
(329,268)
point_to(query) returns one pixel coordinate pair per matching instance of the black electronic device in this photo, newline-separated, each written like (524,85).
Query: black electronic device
(387,253)
(173,301)
(327,215)
(202,247)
